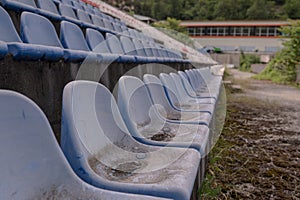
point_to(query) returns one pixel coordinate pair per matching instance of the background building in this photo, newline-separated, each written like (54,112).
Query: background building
(248,36)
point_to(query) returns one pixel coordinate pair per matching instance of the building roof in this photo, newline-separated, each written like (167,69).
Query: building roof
(233,23)
(144,18)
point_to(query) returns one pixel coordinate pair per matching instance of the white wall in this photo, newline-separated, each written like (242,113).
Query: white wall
(259,43)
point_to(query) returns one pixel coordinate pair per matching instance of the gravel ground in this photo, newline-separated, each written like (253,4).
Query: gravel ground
(258,153)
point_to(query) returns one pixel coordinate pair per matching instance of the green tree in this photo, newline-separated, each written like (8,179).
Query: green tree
(205,9)
(247,60)
(283,67)
(175,8)
(171,28)
(188,10)
(144,7)
(292,9)
(160,10)
(231,9)
(213,9)
(171,23)
(261,9)
(279,2)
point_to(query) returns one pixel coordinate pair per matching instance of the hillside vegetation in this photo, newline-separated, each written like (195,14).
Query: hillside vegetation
(282,69)
(212,9)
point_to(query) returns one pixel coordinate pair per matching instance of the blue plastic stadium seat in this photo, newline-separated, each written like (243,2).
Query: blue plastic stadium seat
(57,1)
(85,19)
(108,24)
(77,5)
(115,47)
(67,2)
(129,49)
(209,78)
(117,27)
(159,97)
(148,39)
(126,33)
(88,9)
(68,14)
(38,30)
(167,55)
(20,5)
(179,103)
(128,46)
(161,52)
(90,6)
(198,83)
(187,85)
(3,50)
(98,44)
(98,12)
(32,164)
(102,152)
(139,48)
(213,82)
(98,21)
(203,83)
(9,35)
(132,33)
(183,75)
(183,92)
(82,3)
(138,35)
(124,28)
(110,18)
(156,51)
(72,39)
(147,127)
(151,53)
(94,38)
(118,21)
(174,54)
(199,86)
(48,9)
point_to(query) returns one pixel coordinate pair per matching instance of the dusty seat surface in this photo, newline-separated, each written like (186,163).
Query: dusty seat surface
(32,164)
(159,97)
(102,152)
(147,126)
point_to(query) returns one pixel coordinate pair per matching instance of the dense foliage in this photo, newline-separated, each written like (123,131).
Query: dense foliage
(171,23)
(171,27)
(212,9)
(282,68)
(247,60)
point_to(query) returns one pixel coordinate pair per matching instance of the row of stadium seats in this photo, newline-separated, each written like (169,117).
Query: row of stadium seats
(38,40)
(151,144)
(146,146)
(77,12)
